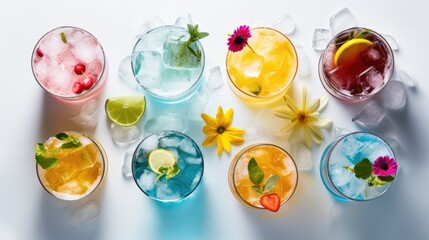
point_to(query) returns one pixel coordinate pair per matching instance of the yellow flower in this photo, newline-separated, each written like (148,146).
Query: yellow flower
(305,119)
(219,131)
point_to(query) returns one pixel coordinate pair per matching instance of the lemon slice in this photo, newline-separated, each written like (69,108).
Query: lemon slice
(350,49)
(161,161)
(126,110)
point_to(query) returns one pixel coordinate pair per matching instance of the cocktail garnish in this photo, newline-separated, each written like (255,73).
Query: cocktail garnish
(257,176)
(195,35)
(270,202)
(377,174)
(63,37)
(51,161)
(163,162)
(352,35)
(238,40)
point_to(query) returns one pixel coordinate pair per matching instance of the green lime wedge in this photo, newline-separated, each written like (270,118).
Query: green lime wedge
(126,110)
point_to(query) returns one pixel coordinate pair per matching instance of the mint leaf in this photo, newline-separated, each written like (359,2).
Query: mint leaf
(257,190)
(271,183)
(363,169)
(62,136)
(202,35)
(257,91)
(70,145)
(46,163)
(40,149)
(74,139)
(255,173)
(173,171)
(387,178)
(363,34)
(63,37)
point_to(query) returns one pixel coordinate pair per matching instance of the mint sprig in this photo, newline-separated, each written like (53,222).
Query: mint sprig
(51,161)
(168,172)
(352,35)
(256,176)
(195,35)
(363,170)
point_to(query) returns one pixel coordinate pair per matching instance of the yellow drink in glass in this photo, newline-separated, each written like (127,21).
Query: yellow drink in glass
(264,75)
(79,169)
(272,160)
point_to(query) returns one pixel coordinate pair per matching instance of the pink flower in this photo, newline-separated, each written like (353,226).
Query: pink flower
(238,40)
(384,166)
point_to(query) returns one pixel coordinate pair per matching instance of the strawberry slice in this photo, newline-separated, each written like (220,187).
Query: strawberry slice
(270,202)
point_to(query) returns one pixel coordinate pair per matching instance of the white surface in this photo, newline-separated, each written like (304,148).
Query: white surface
(29,116)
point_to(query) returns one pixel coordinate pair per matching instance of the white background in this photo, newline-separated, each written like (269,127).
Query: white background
(30,116)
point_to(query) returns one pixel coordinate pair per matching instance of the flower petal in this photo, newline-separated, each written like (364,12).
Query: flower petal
(235,131)
(219,145)
(234,139)
(315,133)
(209,130)
(323,103)
(289,126)
(291,104)
(225,143)
(210,140)
(304,97)
(209,120)
(219,116)
(314,106)
(323,123)
(227,120)
(284,112)
(307,138)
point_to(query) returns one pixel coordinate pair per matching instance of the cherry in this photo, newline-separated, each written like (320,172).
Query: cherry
(39,52)
(88,82)
(77,87)
(79,69)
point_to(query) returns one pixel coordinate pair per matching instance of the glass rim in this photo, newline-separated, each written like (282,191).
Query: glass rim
(174,98)
(154,197)
(100,181)
(282,91)
(335,143)
(326,83)
(81,95)
(239,155)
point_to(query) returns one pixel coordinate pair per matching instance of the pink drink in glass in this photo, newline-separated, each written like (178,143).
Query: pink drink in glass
(69,63)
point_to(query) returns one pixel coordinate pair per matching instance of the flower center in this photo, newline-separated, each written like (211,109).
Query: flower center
(384,166)
(302,117)
(239,40)
(220,130)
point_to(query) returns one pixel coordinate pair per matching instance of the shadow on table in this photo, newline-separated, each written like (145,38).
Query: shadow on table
(187,219)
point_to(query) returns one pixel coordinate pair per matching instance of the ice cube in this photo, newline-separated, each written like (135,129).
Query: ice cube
(126,166)
(395,95)
(250,64)
(342,20)
(124,134)
(284,24)
(43,67)
(196,179)
(67,58)
(125,72)
(175,153)
(303,62)
(147,68)
(407,78)
(303,157)
(355,188)
(197,105)
(391,41)
(86,49)
(61,81)
(148,25)
(191,160)
(52,45)
(176,53)
(187,146)
(147,180)
(339,175)
(176,80)
(370,115)
(183,21)
(215,80)
(150,143)
(374,55)
(165,122)
(169,142)
(351,149)
(168,191)
(338,131)
(252,133)
(88,115)
(85,214)
(371,80)
(321,38)
(269,123)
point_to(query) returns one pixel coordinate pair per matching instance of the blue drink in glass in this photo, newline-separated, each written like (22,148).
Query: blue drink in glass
(164,66)
(189,161)
(342,155)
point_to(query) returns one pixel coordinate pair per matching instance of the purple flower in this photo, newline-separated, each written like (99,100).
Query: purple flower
(384,166)
(238,40)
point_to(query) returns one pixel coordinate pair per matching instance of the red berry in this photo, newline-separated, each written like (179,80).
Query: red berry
(77,87)
(88,82)
(79,69)
(270,202)
(39,52)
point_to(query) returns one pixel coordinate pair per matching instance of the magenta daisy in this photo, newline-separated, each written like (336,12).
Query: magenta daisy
(384,166)
(238,40)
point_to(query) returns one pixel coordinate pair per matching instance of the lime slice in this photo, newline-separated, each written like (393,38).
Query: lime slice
(161,161)
(125,111)
(350,50)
